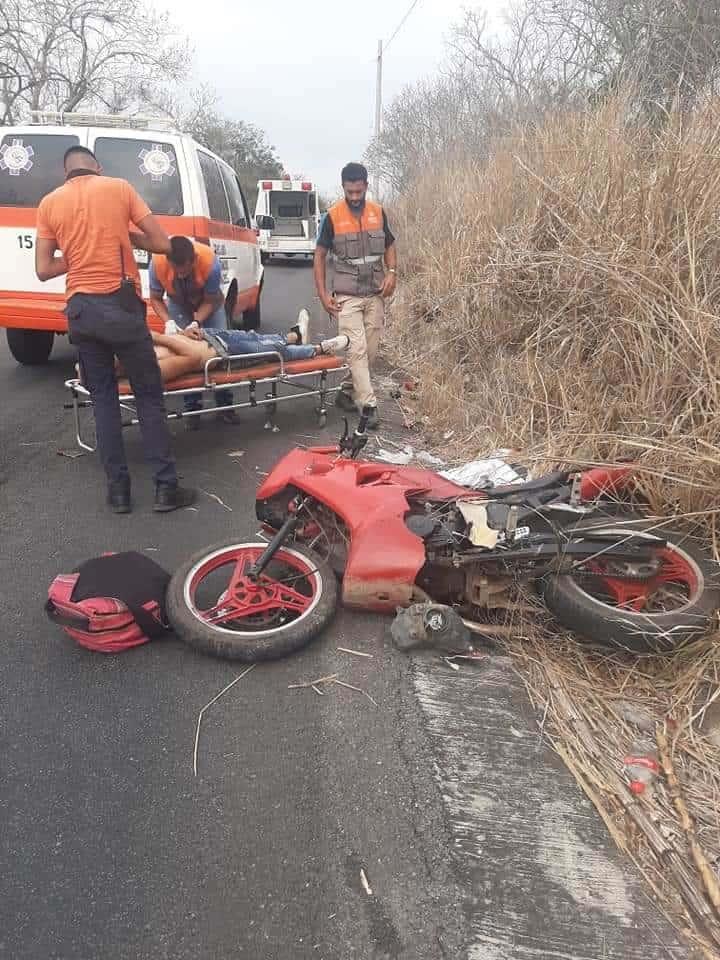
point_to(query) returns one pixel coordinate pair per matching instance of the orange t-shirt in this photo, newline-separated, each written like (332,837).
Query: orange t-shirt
(88,217)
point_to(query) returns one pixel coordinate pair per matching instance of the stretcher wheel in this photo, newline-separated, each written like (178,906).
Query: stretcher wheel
(215,606)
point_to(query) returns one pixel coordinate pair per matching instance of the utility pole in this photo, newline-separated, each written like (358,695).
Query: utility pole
(378,110)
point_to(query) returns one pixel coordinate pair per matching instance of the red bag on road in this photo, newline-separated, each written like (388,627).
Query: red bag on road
(111,603)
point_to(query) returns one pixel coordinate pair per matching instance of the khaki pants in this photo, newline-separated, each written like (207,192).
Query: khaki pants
(361,318)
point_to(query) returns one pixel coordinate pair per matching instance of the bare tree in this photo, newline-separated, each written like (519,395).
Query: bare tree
(66,54)
(243,145)
(553,55)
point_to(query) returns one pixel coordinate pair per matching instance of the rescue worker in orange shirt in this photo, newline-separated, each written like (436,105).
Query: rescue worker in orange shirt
(87,220)
(191,277)
(364,259)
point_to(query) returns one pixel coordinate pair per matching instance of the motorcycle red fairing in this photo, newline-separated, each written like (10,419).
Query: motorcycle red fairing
(385,557)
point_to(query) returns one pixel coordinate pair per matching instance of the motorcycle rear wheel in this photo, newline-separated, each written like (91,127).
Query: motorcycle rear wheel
(658,614)
(215,607)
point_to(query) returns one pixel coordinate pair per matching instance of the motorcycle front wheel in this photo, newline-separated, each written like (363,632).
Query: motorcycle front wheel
(618,604)
(215,606)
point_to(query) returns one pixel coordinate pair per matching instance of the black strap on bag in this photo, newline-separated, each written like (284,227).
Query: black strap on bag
(130,577)
(127,294)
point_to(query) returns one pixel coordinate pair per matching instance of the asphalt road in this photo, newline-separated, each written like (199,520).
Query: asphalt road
(109,846)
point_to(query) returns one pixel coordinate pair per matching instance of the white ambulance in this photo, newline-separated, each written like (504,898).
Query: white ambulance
(192,191)
(287,215)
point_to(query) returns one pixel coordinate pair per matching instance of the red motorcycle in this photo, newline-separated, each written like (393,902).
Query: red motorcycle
(397,535)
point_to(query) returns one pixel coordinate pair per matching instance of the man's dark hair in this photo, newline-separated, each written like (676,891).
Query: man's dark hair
(83,151)
(352,172)
(182,251)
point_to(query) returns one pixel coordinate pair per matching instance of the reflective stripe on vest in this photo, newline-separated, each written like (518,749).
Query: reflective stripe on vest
(165,272)
(358,249)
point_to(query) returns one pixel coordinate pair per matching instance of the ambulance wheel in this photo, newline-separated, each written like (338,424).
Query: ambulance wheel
(30,347)
(264,259)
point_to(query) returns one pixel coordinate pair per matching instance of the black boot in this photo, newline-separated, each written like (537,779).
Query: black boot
(170,496)
(373,420)
(118,497)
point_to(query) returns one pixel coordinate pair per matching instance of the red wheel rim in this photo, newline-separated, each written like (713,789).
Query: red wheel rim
(219,592)
(674,586)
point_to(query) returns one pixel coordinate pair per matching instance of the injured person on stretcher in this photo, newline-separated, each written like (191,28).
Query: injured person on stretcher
(189,350)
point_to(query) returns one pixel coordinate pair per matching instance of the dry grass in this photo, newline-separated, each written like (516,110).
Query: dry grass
(563,300)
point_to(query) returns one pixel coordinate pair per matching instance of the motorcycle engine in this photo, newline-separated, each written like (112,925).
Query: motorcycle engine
(436,532)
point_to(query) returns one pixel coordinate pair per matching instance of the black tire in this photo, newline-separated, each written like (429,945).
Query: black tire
(264,259)
(607,625)
(30,347)
(250,646)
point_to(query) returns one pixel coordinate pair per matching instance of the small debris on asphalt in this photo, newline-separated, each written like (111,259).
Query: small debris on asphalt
(349,686)
(236,454)
(355,653)
(209,704)
(364,881)
(332,678)
(71,454)
(214,496)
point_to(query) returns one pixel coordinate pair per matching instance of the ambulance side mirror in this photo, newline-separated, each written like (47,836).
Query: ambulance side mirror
(265,223)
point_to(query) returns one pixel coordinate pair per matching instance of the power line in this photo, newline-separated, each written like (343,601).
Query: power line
(401,24)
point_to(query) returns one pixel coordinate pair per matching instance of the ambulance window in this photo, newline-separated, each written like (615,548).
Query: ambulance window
(288,204)
(237,211)
(246,208)
(31,165)
(217,201)
(313,204)
(149,166)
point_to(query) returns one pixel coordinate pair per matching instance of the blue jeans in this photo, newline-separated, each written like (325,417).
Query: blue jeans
(249,341)
(216,321)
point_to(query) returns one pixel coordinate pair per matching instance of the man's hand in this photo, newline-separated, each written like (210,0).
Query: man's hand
(330,304)
(192,331)
(389,285)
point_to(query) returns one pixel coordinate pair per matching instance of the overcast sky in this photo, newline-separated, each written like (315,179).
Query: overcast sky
(305,71)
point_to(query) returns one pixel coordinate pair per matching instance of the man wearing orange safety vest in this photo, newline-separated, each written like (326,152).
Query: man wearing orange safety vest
(355,230)
(191,276)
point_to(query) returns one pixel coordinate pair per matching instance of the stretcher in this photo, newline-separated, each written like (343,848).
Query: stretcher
(265,372)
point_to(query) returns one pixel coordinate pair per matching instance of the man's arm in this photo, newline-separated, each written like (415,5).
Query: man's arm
(330,304)
(157,302)
(157,294)
(208,306)
(212,294)
(390,281)
(152,236)
(47,265)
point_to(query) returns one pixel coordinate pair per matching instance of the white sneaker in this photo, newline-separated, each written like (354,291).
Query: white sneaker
(335,345)
(303,325)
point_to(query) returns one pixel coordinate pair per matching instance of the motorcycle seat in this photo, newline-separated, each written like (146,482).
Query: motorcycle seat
(559,477)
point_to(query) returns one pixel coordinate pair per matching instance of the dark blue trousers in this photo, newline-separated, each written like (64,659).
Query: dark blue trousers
(103,327)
